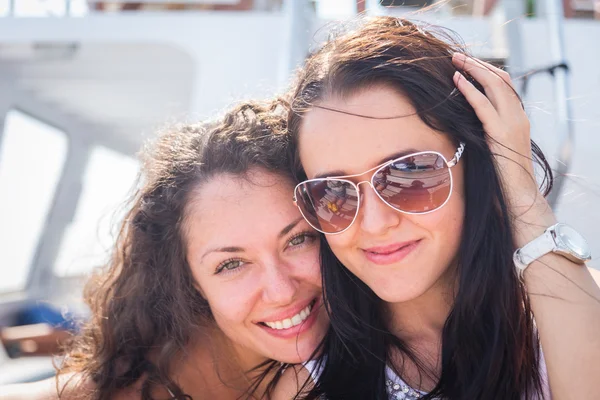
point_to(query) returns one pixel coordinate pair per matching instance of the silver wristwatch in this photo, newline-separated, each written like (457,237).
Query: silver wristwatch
(559,238)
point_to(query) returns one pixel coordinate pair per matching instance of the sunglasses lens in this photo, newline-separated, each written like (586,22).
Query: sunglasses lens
(328,205)
(415,184)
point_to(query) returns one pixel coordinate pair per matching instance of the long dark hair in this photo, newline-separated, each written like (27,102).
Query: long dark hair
(145,308)
(490,348)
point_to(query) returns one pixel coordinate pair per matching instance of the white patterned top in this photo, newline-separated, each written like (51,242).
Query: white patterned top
(395,386)
(397,389)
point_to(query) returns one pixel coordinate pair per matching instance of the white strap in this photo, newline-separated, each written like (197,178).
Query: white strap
(533,250)
(314,367)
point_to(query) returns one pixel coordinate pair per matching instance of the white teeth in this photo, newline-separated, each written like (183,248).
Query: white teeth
(289,322)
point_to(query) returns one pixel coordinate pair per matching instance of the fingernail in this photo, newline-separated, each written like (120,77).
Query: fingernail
(459,56)
(456,75)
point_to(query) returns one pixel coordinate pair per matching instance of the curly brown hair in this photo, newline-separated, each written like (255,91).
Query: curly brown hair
(144,303)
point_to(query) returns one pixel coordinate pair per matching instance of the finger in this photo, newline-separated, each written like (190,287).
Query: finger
(498,90)
(490,84)
(501,73)
(488,72)
(484,109)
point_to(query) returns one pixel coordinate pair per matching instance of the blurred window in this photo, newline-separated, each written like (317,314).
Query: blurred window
(107,181)
(32,156)
(336,9)
(43,8)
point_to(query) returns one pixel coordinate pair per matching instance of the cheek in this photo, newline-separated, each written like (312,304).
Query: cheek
(310,268)
(342,240)
(456,203)
(304,265)
(449,218)
(445,225)
(231,303)
(344,246)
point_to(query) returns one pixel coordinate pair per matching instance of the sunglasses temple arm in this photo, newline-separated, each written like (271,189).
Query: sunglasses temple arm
(457,155)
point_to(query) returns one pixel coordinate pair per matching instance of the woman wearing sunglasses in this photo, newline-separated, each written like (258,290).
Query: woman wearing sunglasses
(453,273)
(215,274)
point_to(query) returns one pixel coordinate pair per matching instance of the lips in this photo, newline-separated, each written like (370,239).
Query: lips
(383,255)
(293,322)
(287,323)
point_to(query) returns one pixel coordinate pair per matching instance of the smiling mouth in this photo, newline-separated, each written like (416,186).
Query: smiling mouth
(386,255)
(295,320)
(387,252)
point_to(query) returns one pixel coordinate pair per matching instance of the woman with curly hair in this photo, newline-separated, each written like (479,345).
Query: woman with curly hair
(214,276)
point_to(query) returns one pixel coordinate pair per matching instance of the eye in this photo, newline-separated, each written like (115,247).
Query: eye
(298,240)
(301,239)
(229,265)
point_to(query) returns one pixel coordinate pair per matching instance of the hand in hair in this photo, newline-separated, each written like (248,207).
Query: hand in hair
(504,120)
(565,299)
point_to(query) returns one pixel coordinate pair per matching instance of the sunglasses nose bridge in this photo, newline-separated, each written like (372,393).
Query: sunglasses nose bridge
(360,194)
(361,182)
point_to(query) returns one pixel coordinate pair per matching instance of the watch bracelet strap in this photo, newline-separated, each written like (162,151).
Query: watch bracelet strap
(533,250)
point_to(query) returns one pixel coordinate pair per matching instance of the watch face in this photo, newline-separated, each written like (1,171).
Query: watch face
(574,242)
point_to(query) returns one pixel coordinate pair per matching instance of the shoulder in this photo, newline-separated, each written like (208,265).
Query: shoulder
(294,380)
(66,387)
(71,386)
(42,390)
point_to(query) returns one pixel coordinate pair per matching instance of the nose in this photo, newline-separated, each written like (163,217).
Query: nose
(279,283)
(375,217)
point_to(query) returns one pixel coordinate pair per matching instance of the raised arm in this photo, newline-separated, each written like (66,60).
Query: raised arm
(565,297)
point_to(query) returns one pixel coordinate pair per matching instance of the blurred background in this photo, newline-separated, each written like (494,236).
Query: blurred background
(84,82)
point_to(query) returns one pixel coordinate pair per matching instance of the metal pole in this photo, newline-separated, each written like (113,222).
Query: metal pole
(555,18)
(514,11)
(298,21)
(372,7)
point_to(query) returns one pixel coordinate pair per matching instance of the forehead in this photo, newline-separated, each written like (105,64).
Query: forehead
(337,141)
(239,211)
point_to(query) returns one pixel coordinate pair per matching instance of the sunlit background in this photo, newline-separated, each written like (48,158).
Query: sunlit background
(84,83)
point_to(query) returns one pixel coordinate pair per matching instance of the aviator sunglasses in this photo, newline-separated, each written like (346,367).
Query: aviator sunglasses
(417,183)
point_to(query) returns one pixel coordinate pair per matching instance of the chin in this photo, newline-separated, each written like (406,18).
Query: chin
(292,357)
(302,352)
(395,295)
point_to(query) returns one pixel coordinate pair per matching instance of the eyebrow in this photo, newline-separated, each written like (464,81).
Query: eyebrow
(235,249)
(289,227)
(339,172)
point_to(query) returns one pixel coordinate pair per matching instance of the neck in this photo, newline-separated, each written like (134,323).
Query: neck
(421,320)
(213,364)
(419,323)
